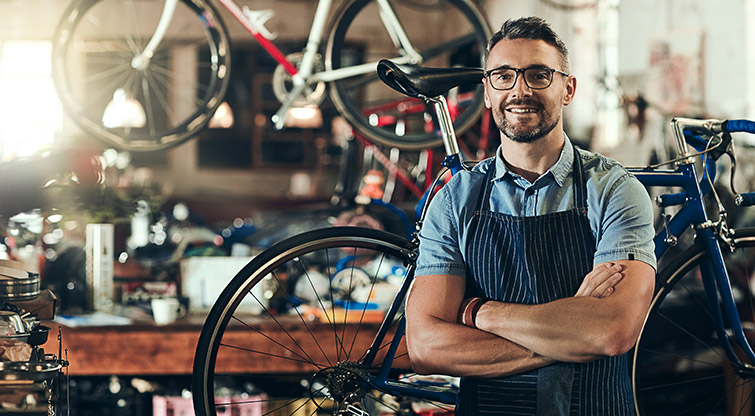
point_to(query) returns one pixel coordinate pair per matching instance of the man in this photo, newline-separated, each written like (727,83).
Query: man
(536,269)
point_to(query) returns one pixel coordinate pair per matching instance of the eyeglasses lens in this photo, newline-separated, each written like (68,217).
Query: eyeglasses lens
(537,78)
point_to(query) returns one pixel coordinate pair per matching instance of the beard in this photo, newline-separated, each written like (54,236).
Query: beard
(548,122)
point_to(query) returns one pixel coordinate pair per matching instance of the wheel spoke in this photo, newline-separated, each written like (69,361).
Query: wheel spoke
(680,363)
(267,337)
(364,308)
(355,95)
(307,360)
(101,38)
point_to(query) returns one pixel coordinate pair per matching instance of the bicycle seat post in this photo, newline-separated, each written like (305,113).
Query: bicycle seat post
(446,126)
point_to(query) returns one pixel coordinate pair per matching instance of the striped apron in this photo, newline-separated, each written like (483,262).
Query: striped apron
(532,260)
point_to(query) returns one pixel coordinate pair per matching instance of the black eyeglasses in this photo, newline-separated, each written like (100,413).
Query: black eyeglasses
(536,77)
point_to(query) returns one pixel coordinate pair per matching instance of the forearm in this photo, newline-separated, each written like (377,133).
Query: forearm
(437,344)
(571,329)
(580,328)
(440,347)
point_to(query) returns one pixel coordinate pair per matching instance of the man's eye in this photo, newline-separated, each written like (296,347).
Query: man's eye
(504,76)
(540,75)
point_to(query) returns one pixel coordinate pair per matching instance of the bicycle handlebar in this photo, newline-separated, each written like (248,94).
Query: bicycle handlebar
(745,126)
(736,126)
(688,131)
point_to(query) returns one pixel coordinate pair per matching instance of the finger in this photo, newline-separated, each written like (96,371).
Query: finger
(609,280)
(597,276)
(603,289)
(588,282)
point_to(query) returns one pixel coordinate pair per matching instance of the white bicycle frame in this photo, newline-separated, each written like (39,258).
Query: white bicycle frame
(303,76)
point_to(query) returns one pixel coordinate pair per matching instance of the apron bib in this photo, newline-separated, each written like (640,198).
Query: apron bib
(532,260)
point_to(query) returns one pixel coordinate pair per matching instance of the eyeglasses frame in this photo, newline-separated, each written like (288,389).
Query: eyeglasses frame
(518,71)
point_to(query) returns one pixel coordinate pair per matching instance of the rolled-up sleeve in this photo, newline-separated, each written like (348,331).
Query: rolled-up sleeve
(440,241)
(626,231)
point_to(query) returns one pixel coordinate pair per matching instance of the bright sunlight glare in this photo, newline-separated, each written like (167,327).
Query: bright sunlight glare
(30,112)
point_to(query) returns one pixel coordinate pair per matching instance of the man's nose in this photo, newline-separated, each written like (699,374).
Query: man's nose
(520,88)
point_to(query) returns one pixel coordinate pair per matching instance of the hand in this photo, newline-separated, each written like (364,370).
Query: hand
(600,282)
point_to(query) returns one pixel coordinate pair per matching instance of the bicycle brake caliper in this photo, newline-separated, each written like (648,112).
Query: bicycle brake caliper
(670,238)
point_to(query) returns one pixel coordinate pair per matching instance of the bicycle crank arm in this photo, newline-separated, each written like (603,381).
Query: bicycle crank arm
(279,118)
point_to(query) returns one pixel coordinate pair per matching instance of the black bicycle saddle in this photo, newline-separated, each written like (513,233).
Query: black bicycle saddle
(418,82)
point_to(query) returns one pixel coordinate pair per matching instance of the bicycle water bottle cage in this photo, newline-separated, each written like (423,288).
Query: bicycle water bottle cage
(419,82)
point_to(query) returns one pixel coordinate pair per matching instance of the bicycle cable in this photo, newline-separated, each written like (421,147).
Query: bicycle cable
(721,208)
(676,159)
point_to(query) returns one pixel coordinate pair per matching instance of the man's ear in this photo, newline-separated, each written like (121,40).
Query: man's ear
(569,90)
(485,94)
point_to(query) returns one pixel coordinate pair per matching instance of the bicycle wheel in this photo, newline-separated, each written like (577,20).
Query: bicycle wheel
(140,105)
(453,32)
(302,349)
(679,365)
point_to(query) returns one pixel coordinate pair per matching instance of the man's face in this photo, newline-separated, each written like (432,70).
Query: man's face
(524,114)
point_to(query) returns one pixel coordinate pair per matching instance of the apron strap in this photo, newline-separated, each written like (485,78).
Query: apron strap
(580,186)
(483,197)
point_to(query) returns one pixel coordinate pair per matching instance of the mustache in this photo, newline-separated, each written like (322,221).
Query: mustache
(522,101)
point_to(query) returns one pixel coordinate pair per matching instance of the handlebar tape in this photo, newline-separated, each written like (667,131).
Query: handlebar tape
(745,126)
(745,200)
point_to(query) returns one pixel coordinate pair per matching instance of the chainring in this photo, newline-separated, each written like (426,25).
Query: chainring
(283,84)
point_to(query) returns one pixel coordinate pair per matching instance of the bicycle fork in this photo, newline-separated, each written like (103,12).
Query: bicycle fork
(142,60)
(716,283)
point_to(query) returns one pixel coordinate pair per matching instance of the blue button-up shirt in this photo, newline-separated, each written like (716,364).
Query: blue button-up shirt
(619,209)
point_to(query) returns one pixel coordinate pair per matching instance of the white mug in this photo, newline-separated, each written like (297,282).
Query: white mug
(167,310)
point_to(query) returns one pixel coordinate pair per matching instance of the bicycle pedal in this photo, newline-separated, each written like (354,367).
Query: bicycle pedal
(354,410)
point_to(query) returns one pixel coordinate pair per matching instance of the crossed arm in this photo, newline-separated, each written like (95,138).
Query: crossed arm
(603,318)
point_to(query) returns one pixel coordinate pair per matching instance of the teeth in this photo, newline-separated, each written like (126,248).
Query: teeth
(523,110)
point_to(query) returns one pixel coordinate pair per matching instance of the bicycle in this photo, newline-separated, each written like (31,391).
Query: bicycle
(359,305)
(338,279)
(165,66)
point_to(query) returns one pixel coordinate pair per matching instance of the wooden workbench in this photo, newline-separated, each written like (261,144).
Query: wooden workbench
(147,349)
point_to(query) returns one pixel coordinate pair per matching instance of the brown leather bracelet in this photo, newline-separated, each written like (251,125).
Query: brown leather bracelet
(470,311)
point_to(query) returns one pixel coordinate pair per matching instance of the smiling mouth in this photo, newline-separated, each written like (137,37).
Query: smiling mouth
(520,110)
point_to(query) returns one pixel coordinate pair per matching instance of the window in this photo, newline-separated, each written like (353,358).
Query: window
(30,113)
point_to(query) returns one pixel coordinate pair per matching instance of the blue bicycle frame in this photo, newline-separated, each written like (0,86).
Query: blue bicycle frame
(714,274)
(692,213)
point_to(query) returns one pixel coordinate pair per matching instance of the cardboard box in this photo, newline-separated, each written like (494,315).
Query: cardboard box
(43,305)
(204,278)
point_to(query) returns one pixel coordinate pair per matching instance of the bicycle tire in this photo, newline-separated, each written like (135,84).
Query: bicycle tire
(678,365)
(178,91)
(359,98)
(292,340)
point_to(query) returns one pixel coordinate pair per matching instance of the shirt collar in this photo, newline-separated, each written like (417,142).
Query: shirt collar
(560,170)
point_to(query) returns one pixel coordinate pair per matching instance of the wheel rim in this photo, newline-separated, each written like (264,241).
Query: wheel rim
(364,101)
(679,364)
(310,349)
(152,108)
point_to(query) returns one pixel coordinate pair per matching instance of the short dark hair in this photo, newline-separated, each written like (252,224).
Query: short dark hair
(530,28)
